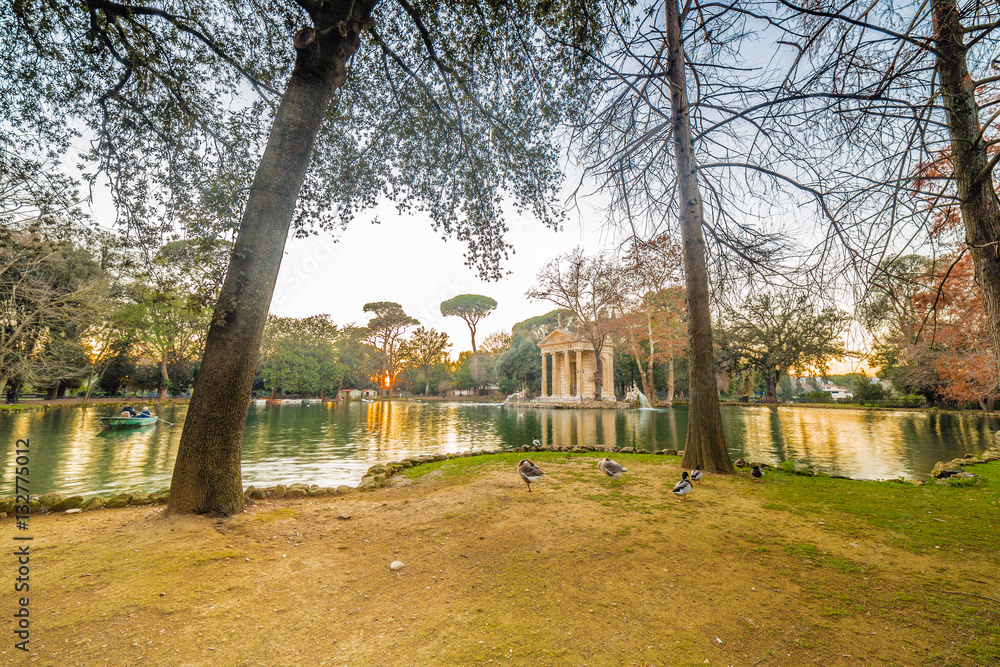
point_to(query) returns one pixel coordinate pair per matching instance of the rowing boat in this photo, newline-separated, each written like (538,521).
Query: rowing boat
(127,422)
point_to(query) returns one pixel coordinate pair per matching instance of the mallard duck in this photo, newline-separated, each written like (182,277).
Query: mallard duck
(696,474)
(683,487)
(529,472)
(741,463)
(610,468)
(757,473)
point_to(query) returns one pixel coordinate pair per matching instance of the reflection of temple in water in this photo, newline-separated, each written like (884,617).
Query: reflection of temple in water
(573,361)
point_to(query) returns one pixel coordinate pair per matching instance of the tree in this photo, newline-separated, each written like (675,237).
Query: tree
(110,346)
(424,349)
(50,295)
(652,147)
(471,308)
(905,95)
(651,321)
(385,333)
(174,298)
(517,368)
(587,287)
(497,343)
(469,375)
(361,361)
(410,122)
(866,390)
(774,334)
(932,336)
(298,355)
(542,325)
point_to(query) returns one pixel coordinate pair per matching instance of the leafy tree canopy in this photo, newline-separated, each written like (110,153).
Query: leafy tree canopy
(776,333)
(542,325)
(449,108)
(470,307)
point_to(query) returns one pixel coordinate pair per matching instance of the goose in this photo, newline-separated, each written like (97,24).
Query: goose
(683,487)
(536,443)
(529,472)
(757,473)
(610,468)
(696,474)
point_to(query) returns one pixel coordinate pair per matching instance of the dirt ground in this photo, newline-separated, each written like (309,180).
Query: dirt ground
(576,572)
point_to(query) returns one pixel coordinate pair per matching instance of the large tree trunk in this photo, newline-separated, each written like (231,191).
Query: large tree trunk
(706,443)
(161,394)
(383,381)
(207,476)
(771,382)
(970,160)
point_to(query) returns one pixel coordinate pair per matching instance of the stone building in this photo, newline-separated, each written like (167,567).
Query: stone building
(572,368)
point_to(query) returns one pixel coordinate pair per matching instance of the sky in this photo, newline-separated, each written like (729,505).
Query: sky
(403,260)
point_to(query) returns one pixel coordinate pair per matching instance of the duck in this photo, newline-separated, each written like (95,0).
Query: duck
(696,474)
(529,472)
(757,473)
(683,487)
(741,463)
(610,468)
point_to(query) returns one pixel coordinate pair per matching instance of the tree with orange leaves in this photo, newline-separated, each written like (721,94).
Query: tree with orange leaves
(651,322)
(931,330)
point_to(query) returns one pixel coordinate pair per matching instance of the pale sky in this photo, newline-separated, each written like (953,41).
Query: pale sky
(404,260)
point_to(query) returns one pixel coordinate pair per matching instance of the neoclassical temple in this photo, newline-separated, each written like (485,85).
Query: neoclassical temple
(573,361)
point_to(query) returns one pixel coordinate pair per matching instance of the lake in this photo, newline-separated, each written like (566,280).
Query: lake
(335,443)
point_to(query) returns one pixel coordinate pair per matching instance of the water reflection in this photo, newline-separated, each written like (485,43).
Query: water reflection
(334,443)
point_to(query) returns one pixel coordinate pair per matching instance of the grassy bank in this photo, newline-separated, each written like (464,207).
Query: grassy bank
(793,570)
(94,402)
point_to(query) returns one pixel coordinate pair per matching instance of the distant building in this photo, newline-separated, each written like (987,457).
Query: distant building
(573,364)
(358,394)
(836,392)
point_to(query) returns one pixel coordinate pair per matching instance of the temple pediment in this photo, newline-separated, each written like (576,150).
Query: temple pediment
(558,337)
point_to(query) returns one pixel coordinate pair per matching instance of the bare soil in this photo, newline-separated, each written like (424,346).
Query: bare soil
(579,571)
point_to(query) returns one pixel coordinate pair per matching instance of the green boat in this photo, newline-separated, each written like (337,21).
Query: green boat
(127,422)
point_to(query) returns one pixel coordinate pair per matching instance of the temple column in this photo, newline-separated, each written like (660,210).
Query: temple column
(566,375)
(579,373)
(556,375)
(544,374)
(608,386)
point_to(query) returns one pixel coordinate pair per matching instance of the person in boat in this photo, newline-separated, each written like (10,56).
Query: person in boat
(128,411)
(145,413)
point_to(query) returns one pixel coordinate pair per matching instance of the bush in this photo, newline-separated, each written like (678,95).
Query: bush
(865,390)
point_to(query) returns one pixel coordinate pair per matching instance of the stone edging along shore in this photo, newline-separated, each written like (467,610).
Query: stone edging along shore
(378,476)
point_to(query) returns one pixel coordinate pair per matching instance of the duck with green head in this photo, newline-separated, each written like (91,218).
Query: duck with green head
(683,487)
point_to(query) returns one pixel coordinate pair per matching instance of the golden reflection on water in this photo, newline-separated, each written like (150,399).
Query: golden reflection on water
(335,443)
(858,443)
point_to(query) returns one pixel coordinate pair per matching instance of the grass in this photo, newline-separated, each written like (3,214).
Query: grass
(466,466)
(581,571)
(916,518)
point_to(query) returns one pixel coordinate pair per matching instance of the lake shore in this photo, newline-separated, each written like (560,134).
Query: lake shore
(793,570)
(43,404)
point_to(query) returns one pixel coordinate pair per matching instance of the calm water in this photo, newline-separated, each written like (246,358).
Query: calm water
(335,444)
